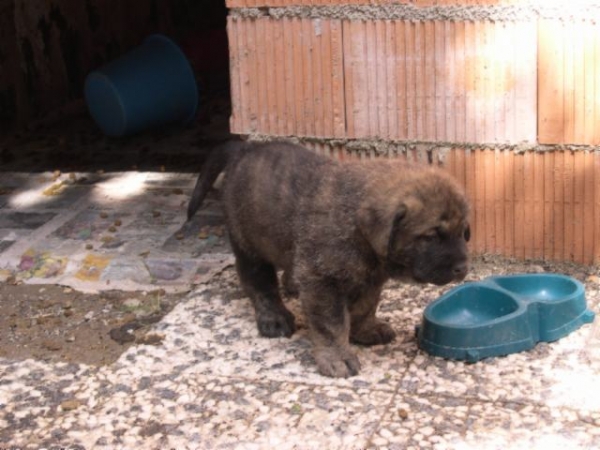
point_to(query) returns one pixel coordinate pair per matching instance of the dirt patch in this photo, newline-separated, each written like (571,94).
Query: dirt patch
(55,323)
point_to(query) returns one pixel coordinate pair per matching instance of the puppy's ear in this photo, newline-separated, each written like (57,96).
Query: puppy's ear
(396,225)
(381,224)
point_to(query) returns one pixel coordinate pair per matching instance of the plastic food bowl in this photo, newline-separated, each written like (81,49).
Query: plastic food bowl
(149,86)
(502,315)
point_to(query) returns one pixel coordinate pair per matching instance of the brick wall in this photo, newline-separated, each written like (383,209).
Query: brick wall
(504,94)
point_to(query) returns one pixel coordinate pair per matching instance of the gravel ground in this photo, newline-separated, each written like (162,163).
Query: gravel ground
(212,382)
(195,374)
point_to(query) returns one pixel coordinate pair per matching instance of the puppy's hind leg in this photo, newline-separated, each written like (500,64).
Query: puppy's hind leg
(259,280)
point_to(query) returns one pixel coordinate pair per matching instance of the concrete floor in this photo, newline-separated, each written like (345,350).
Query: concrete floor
(213,382)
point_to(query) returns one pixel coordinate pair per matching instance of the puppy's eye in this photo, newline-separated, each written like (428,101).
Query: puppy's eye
(467,233)
(429,237)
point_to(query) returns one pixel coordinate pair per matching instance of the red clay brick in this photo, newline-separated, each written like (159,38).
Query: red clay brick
(519,205)
(578,204)
(549,218)
(569,80)
(537,169)
(569,200)
(509,205)
(337,79)
(596,207)
(489,186)
(234,62)
(279,67)
(529,218)
(289,75)
(559,205)
(499,200)
(589,226)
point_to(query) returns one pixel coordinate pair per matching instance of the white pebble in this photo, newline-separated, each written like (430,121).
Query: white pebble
(379,441)
(427,431)
(387,434)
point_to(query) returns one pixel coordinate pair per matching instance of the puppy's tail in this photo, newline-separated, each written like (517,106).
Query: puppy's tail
(214,165)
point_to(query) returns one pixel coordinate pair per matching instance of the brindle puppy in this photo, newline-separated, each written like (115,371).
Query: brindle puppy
(339,231)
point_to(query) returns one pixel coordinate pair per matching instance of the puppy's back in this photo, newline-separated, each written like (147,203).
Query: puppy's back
(264,188)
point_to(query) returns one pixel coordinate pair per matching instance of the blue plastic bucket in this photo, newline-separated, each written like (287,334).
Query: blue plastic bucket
(149,86)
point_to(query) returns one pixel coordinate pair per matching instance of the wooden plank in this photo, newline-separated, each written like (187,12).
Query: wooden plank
(337,79)
(550,81)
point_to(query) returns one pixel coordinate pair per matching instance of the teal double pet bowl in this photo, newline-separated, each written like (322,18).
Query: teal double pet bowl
(501,315)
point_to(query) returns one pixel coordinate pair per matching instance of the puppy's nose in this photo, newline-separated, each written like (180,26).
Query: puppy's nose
(460,270)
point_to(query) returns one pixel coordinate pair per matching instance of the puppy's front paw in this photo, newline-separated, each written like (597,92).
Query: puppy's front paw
(373,333)
(273,324)
(336,363)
